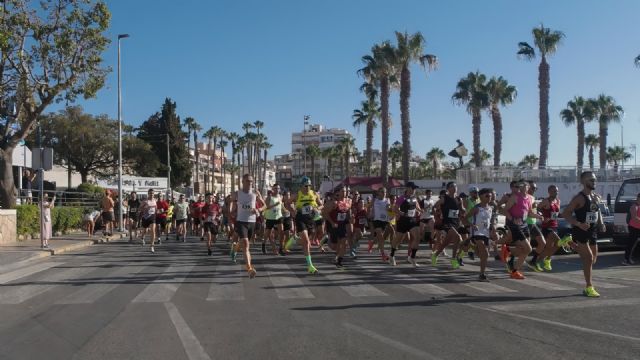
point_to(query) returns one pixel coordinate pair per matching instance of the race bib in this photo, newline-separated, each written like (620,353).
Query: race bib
(363,221)
(383,217)
(210,219)
(342,216)
(286,214)
(592,217)
(427,212)
(555,215)
(306,210)
(411,213)
(151,211)
(246,206)
(453,214)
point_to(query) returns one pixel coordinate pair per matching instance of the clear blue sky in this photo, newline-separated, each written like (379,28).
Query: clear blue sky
(227,62)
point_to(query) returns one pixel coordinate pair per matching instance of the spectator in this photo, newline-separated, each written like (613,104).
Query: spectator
(46,225)
(27,184)
(90,218)
(108,216)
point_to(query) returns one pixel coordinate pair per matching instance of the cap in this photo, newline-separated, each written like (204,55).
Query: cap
(473,189)
(305,181)
(411,184)
(463,195)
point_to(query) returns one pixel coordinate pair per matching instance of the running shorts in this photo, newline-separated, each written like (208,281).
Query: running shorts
(211,228)
(549,230)
(272,223)
(518,232)
(108,216)
(162,221)
(482,238)
(584,237)
(180,221)
(405,224)
(287,223)
(245,229)
(147,222)
(337,233)
(304,222)
(378,224)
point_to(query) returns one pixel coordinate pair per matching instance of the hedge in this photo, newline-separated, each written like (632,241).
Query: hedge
(64,219)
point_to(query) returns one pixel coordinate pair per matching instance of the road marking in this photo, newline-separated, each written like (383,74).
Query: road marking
(420,287)
(488,287)
(387,341)
(582,304)
(226,283)
(557,323)
(189,341)
(17,294)
(163,289)
(90,293)
(358,288)
(573,279)
(544,284)
(286,284)
(29,270)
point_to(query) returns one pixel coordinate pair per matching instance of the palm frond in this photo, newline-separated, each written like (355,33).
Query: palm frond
(526,51)
(636,61)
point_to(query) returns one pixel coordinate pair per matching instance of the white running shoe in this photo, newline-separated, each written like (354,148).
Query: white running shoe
(143,242)
(415,263)
(153,250)
(392,260)
(409,260)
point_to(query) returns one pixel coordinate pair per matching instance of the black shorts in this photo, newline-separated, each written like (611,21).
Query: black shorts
(245,229)
(272,223)
(534,231)
(211,228)
(195,221)
(338,233)
(320,222)
(147,222)
(287,223)
(133,217)
(426,221)
(180,221)
(549,230)
(304,222)
(584,237)
(162,221)
(108,216)
(379,224)
(405,224)
(482,238)
(518,232)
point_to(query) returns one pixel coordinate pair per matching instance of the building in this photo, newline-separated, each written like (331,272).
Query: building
(211,178)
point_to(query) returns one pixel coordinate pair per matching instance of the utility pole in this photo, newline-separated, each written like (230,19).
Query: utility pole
(304,143)
(120,227)
(170,193)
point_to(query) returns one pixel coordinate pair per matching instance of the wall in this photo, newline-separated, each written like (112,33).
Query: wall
(8,226)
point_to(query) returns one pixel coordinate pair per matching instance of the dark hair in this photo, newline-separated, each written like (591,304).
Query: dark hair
(554,186)
(443,192)
(450,183)
(585,174)
(513,183)
(485,191)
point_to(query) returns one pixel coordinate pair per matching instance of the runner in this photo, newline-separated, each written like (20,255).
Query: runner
(406,208)
(181,212)
(161,216)
(212,214)
(273,216)
(337,213)
(168,225)
(108,216)
(470,202)
(147,214)
(359,223)
(380,210)
(583,213)
(537,238)
(133,205)
(244,205)
(426,218)
(452,211)
(196,218)
(306,202)
(481,215)
(550,208)
(634,231)
(287,222)
(517,209)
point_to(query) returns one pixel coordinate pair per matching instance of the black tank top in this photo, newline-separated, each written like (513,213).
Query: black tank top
(587,213)
(450,211)
(408,205)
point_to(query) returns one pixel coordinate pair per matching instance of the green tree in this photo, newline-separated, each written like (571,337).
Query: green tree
(500,93)
(471,91)
(194,128)
(435,156)
(606,111)
(367,115)
(617,155)
(409,49)
(529,160)
(395,153)
(154,131)
(546,41)
(484,156)
(636,61)
(223,145)
(348,149)
(578,112)
(313,152)
(50,52)
(591,141)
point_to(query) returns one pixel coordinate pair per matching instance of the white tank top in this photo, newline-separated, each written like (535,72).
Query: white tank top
(380,209)
(150,209)
(427,209)
(246,204)
(482,221)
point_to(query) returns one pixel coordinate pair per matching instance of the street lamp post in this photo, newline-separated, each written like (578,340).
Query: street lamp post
(120,227)
(304,143)
(633,147)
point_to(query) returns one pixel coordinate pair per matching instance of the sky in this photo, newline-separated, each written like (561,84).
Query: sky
(229,62)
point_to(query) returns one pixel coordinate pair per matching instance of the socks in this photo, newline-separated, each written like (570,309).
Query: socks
(308,258)
(413,253)
(534,258)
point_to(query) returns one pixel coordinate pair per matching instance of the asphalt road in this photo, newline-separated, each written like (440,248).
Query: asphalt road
(119,301)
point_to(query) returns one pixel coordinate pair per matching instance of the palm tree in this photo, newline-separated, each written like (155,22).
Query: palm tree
(265,149)
(257,151)
(313,151)
(223,144)
(636,61)
(484,156)
(380,72)
(606,111)
(409,49)
(348,146)
(617,154)
(209,136)
(395,153)
(546,41)
(472,92)
(529,160)
(435,156)
(591,141)
(367,116)
(192,128)
(500,94)
(578,112)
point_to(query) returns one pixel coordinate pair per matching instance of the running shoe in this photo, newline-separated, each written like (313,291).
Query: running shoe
(143,242)
(370,246)
(264,249)
(517,275)
(565,241)
(511,264)
(289,243)
(409,260)
(590,292)
(483,278)
(546,264)
(434,259)
(281,252)
(534,266)
(460,262)
(455,264)
(153,250)
(233,255)
(392,260)
(415,263)
(353,253)
(209,251)
(384,257)
(627,262)
(252,272)
(312,269)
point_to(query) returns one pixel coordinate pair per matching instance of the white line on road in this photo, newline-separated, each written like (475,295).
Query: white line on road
(226,283)
(543,284)
(90,293)
(555,305)
(420,287)
(557,323)
(488,287)
(576,280)
(286,284)
(189,341)
(396,344)
(162,290)
(17,294)
(29,270)
(357,288)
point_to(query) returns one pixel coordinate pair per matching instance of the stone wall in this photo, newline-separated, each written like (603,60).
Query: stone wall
(8,226)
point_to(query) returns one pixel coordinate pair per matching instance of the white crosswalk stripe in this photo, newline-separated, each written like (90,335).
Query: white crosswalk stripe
(227,283)
(163,289)
(286,284)
(20,293)
(90,293)
(26,271)
(580,280)
(420,286)
(489,287)
(352,285)
(546,285)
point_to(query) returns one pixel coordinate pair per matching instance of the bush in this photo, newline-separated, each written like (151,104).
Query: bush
(28,219)
(63,219)
(90,188)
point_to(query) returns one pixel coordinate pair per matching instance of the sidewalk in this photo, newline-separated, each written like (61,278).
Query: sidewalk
(18,253)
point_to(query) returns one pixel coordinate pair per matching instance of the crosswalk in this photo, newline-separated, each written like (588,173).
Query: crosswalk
(283,278)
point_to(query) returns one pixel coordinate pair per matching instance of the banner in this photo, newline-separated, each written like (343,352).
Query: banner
(134,183)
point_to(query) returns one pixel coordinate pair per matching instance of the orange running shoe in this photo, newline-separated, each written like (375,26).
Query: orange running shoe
(504,253)
(517,275)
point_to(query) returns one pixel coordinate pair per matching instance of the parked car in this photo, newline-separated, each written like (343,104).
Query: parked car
(609,239)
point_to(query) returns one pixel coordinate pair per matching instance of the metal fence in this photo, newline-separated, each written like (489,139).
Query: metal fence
(63,198)
(487,174)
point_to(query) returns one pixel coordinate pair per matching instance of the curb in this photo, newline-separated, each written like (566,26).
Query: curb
(76,246)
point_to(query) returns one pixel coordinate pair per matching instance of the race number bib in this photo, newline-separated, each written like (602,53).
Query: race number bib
(555,215)
(453,214)
(286,214)
(210,219)
(383,217)
(362,221)
(592,217)
(306,210)
(246,206)
(342,216)
(151,211)
(411,213)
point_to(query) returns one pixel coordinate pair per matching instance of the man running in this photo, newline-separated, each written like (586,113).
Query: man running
(196,218)
(181,211)
(480,216)
(360,218)
(550,209)
(452,211)
(406,208)
(306,203)
(273,216)
(133,205)
(147,211)
(537,238)
(244,204)
(212,213)
(583,213)
(380,208)
(426,218)
(337,213)
(161,216)
(287,222)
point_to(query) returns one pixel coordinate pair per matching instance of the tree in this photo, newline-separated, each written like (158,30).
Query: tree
(471,91)
(313,151)
(616,155)
(636,61)
(484,156)
(367,116)
(223,144)
(435,156)
(529,160)
(154,131)
(348,149)
(51,52)
(395,153)
(606,111)
(409,49)
(578,112)
(380,71)
(546,41)
(329,155)
(591,141)
(500,93)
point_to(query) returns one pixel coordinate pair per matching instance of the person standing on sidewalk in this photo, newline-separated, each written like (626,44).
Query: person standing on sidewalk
(634,231)
(108,215)
(46,227)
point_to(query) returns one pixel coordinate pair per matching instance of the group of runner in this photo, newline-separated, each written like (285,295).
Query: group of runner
(337,221)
